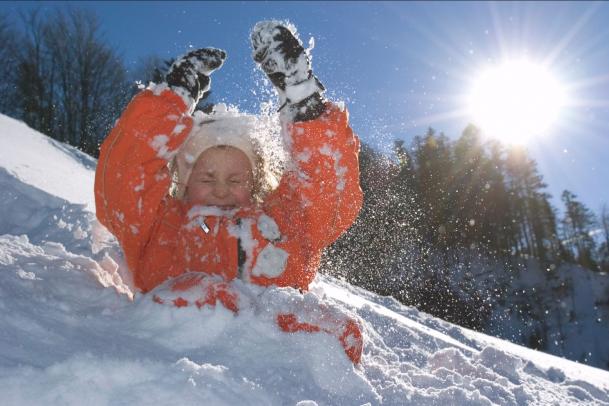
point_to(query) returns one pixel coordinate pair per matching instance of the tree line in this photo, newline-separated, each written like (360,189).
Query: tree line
(438,212)
(60,77)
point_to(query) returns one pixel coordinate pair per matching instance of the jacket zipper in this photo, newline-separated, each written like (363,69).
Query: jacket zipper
(203,225)
(241,254)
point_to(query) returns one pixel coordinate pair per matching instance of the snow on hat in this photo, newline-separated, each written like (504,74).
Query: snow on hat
(221,127)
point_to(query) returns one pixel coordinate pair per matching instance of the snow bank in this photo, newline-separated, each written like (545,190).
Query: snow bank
(45,163)
(69,332)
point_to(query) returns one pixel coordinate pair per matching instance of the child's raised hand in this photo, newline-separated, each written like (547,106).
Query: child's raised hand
(280,54)
(191,71)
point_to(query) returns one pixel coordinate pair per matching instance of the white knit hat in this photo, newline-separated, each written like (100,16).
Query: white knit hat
(223,128)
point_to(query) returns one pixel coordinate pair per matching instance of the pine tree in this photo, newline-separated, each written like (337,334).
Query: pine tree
(499,222)
(8,68)
(577,223)
(530,207)
(404,187)
(433,169)
(603,251)
(475,177)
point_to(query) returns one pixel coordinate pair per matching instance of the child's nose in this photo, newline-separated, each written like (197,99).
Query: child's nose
(221,189)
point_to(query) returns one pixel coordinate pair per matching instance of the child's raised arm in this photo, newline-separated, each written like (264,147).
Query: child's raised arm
(132,177)
(321,193)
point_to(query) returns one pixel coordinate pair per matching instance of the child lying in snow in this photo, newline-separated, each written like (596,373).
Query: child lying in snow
(188,196)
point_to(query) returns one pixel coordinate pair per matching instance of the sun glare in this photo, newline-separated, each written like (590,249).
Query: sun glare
(515,101)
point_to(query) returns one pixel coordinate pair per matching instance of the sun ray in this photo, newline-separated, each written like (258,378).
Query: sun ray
(589,103)
(439,117)
(588,82)
(570,35)
(498,29)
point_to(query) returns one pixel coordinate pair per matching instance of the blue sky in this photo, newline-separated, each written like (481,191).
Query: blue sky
(401,67)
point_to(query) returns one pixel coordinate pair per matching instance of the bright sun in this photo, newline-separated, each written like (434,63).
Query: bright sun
(515,101)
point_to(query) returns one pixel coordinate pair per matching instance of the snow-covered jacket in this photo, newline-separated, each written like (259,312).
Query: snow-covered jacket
(278,243)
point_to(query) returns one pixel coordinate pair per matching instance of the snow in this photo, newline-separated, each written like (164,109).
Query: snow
(340,171)
(271,262)
(268,228)
(158,88)
(569,300)
(159,144)
(70,332)
(44,163)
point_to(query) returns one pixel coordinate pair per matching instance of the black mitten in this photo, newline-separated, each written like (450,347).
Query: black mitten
(191,71)
(280,54)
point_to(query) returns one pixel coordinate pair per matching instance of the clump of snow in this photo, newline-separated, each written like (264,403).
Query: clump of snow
(271,262)
(340,171)
(159,144)
(158,88)
(268,227)
(71,332)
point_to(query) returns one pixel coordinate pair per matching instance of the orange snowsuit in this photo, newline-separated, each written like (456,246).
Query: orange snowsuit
(279,243)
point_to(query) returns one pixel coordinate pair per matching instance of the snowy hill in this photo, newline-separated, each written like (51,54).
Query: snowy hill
(69,333)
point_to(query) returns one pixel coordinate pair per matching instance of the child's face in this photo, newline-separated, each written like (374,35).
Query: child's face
(222,176)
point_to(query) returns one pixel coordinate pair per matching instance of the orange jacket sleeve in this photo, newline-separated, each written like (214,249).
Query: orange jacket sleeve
(132,177)
(324,184)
